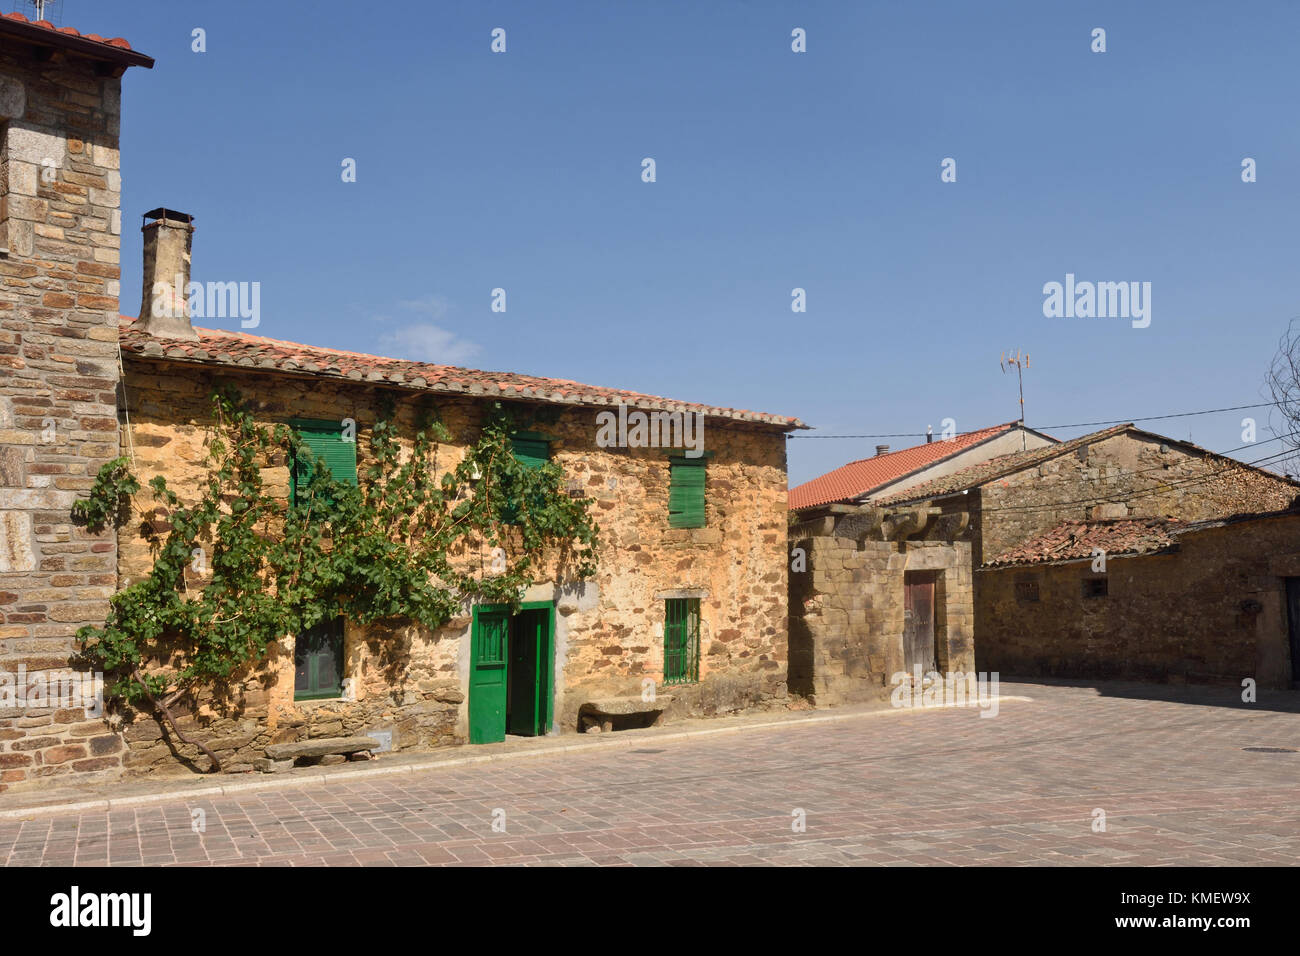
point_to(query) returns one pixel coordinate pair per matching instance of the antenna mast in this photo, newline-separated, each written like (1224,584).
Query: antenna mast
(1021,362)
(40,6)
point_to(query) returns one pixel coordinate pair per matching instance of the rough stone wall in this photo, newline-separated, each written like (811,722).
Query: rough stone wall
(847,612)
(609,630)
(1215,610)
(58,371)
(1132,478)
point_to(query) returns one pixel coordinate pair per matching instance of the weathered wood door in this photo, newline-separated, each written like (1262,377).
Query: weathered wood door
(918,620)
(1293,624)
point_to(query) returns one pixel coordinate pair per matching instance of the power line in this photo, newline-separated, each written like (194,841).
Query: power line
(1117,421)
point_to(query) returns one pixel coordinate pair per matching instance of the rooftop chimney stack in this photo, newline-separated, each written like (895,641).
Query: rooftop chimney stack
(165,308)
(882,450)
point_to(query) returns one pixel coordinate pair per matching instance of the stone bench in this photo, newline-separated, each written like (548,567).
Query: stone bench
(282,756)
(596,716)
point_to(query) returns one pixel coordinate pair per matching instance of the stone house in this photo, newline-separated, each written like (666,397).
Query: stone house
(1121,472)
(870,600)
(1118,472)
(691,589)
(1176,601)
(890,584)
(891,472)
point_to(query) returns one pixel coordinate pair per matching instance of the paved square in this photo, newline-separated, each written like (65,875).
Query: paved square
(940,787)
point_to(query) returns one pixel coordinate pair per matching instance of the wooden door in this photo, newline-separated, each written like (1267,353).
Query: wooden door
(1293,624)
(918,621)
(489,641)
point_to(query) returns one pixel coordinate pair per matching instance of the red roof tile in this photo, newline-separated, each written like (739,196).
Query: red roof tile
(1076,540)
(241,350)
(861,477)
(117,43)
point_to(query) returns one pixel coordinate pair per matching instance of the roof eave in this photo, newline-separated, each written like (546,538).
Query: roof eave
(161,354)
(28,32)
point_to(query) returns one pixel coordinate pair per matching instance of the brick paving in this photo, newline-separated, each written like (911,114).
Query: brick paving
(936,788)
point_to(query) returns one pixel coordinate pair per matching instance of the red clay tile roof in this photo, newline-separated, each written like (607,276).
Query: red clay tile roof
(861,477)
(1075,540)
(254,352)
(120,49)
(995,468)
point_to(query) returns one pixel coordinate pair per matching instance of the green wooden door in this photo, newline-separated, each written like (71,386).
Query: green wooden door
(487,677)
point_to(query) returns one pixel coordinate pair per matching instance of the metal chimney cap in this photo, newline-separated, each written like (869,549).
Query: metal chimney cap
(164,213)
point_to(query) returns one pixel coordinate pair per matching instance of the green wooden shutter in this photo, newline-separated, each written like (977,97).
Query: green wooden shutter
(531,452)
(325,439)
(686,493)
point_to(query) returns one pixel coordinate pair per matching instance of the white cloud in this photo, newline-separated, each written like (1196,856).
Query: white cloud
(426,342)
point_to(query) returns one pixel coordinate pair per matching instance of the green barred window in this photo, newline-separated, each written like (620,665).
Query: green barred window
(686,492)
(318,662)
(682,640)
(325,439)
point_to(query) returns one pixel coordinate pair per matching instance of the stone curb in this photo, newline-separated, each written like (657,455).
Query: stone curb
(347,776)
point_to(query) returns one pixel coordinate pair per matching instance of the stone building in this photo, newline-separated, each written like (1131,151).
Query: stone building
(600,639)
(1202,601)
(1121,472)
(60,226)
(1118,472)
(870,599)
(862,610)
(889,473)
(691,589)
(868,602)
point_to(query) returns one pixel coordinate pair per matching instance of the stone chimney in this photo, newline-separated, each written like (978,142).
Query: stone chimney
(882,450)
(165,305)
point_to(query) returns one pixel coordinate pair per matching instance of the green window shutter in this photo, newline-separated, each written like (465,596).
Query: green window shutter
(531,452)
(325,439)
(681,640)
(686,493)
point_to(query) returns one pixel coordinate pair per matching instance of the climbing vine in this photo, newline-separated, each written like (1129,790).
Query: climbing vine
(240,568)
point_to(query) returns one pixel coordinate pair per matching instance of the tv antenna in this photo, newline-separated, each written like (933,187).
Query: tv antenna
(1021,362)
(40,6)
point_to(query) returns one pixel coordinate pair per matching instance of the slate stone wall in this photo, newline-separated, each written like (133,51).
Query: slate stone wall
(1213,611)
(61,223)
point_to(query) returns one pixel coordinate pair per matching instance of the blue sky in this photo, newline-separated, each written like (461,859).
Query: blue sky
(775,170)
